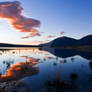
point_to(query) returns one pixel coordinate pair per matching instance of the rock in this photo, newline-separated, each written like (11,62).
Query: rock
(1,90)
(13,86)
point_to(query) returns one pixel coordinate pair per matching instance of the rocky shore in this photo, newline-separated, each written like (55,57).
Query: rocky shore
(14,86)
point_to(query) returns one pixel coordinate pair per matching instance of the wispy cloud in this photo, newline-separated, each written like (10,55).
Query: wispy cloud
(50,36)
(32,34)
(61,33)
(54,36)
(12,11)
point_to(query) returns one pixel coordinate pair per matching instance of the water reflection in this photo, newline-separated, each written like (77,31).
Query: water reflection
(47,70)
(64,53)
(30,59)
(90,64)
(8,63)
(20,70)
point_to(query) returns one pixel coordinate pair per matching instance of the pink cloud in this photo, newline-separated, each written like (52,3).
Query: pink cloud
(60,33)
(50,36)
(33,33)
(12,12)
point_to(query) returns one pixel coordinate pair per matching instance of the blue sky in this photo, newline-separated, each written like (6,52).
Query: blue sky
(74,17)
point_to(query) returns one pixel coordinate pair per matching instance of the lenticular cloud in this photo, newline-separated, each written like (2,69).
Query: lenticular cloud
(12,12)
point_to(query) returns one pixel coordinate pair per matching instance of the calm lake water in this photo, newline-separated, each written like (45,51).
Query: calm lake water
(47,69)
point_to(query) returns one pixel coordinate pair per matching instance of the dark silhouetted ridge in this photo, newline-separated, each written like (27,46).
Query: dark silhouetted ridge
(67,41)
(15,45)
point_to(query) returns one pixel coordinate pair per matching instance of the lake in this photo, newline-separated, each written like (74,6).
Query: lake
(45,70)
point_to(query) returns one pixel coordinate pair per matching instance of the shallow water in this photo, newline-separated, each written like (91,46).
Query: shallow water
(39,68)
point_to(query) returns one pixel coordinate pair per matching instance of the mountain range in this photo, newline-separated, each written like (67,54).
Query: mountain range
(63,41)
(67,41)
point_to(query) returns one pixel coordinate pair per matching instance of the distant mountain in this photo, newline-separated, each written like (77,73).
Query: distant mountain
(15,45)
(87,40)
(67,41)
(64,41)
(59,42)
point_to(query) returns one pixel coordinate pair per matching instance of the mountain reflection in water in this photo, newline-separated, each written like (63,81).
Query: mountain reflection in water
(64,53)
(45,70)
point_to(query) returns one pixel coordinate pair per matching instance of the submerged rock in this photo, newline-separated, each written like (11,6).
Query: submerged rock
(14,86)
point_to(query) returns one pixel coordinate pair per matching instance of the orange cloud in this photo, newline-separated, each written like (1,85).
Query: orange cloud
(32,34)
(12,12)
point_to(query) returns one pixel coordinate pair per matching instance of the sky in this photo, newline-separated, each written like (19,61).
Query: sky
(48,19)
